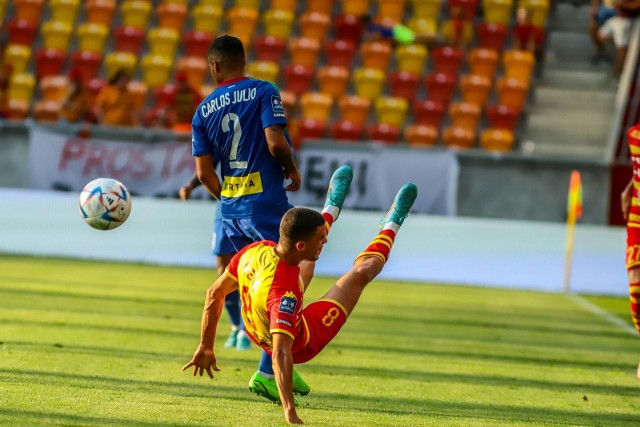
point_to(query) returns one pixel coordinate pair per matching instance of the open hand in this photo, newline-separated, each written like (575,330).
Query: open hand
(203,360)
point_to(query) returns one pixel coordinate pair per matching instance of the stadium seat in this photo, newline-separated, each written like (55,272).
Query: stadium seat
(264,70)
(18,56)
(156,69)
(304,52)
(347,27)
(391,111)
(314,25)
(21,86)
(502,117)
(249,4)
(129,39)
(46,110)
(289,5)
(459,138)
(161,95)
(428,113)
(483,62)
(54,88)
(475,89)
(465,115)
(18,109)
(217,3)
(94,86)
(206,18)
(333,80)
(539,10)
(383,133)
(22,32)
(440,88)
(421,135)
(116,61)
(100,11)
(87,64)
(369,82)
(30,10)
(196,68)
(298,79)
(354,109)
(242,23)
(269,48)
(49,62)
(500,140)
(64,10)
(196,43)
(56,35)
(497,11)
(455,35)
(468,8)
(355,7)
(492,36)
(316,105)
(321,6)
(278,23)
(447,60)
(426,9)
(424,27)
(376,55)
(163,41)
(135,13)
(92,37)
(340,53)
(519,64)
(512,92)
(171,15)
(310,129)
(3,10)
(138,91)
(404,84)
(392,9)
(411,58)
(289,102)
(344,130)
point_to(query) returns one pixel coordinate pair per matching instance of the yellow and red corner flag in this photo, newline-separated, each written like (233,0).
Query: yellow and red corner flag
(574,213)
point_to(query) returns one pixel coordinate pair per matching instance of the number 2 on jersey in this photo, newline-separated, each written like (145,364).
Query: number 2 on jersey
(235,140)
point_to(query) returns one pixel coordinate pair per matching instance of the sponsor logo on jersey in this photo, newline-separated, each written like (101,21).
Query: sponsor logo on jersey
(276,106)
(238,186)
(288,303)
(285,322)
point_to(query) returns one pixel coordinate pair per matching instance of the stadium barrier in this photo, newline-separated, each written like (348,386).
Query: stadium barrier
(497,253)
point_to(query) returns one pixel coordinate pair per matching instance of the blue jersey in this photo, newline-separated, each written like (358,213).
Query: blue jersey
(229,125)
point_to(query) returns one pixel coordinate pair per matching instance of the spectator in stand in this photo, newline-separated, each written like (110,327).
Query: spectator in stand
(397,34)
(114,104)
(601,12)
(528,36)
(76,106)
(180,106)
(618,30)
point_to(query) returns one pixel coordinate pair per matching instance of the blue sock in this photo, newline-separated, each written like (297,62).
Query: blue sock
(232,304)
(265,366)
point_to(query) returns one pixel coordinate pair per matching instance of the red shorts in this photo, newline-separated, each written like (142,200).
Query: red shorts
(633,245)
(323,320)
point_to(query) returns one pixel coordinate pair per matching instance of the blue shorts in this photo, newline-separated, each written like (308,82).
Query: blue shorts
(604,14)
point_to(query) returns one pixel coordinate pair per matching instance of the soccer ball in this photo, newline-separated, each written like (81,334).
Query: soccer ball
(105,203)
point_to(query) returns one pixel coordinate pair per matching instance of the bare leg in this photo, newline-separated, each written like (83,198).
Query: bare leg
(621,54)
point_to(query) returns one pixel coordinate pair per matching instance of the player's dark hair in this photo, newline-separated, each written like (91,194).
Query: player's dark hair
(299,224)
(228,51)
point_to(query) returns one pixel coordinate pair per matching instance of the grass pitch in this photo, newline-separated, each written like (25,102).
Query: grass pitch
(85,343)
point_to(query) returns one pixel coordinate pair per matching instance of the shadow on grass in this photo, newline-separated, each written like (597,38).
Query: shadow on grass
(40,417)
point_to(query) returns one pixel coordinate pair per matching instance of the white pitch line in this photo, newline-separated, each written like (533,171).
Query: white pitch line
(592,308)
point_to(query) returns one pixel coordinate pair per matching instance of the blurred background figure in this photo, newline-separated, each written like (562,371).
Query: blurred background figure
(76,107)
(601,12)
(528,36)
(617,30)
(114,105)
(178,106)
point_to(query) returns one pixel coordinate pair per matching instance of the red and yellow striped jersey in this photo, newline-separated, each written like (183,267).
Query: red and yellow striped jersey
(633,135)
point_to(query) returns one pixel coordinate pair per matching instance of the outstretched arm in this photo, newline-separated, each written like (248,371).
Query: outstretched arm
(283,369)
(208,176)
(279,149)
(625,199)
(185,191)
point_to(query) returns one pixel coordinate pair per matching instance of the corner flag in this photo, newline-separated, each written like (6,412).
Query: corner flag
(574,213)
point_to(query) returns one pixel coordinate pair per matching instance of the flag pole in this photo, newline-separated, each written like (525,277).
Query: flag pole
(574,212)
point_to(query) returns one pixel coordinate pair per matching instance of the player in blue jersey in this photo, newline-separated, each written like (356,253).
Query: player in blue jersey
(241,126)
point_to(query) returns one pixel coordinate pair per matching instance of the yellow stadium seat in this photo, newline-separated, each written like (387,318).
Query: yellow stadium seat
(196,69)
(483,62)
(539,11)
(369,82)
(249,4)
(278,23)
(333,80)
(321,6)
(465,115)
(475,89)
(21,87)
(304,51)
(512,93)
(519,64)
(217,3)
(3,9)
(56,35)
(392,111)
(424,26)
(171,15)
(411,58)
(316,106)
(163,41)
(355,7)
(426,9)
(182,2)
(135,13)
(392,9)
(448,31)
(92,37)
(355,109)
(206,18)
(497,11)
(138,91)
(314,25)
(116,61)
(242,23)
(500,140)
(376,55)
(421,135)
(54,88)
(156,69)
(18,56)
(289,5)
(264,70)
(459,138)
(31,10)
(64,10)
(100,11)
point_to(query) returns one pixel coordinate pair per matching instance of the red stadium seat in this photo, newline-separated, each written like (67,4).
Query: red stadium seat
(49,62)
(347,27)
(269,48)
(196,43)
(440,88)
(87,64)
(344,130)
(468,8)
(448,60)
(298,79)
(22,32)
(492,36)
(383,133)
(428,113)
(94,87)
(311,129)
(502,117)
(162,95)
(129,39)
(340,52)
(404,84)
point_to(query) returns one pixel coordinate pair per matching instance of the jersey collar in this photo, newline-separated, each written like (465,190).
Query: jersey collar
(230,81)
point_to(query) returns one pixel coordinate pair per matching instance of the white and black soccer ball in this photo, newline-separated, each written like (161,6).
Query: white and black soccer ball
(105,203)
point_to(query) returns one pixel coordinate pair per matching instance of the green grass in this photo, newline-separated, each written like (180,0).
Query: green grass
(85,343)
